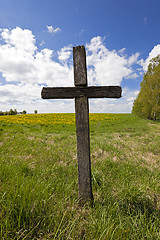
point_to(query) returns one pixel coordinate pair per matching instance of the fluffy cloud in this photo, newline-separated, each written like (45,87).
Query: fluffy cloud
(22,63)
(154,52)
(110,67)
(17,55)
(22,40)
(53,30)
(25,70)
(65,53)
(52,73)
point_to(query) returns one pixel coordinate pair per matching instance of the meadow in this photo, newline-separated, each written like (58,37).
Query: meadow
(39,185)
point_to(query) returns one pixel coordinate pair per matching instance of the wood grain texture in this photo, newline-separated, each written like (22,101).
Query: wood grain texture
(82,125)
(79,61)
(73,92)
(83,149)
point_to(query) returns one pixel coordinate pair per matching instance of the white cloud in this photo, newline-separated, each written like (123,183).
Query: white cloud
(133,58)
(121,51)
(26,69)
(65,53)
(53,30)
(21,40)
(20,93)
(154,52)
(20,64)
(52,73)
(110,67)
(17,55)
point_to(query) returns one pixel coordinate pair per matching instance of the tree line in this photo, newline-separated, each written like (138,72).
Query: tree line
(147,103)
(14,112)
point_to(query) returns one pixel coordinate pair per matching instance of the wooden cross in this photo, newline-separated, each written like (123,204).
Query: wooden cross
(81,92)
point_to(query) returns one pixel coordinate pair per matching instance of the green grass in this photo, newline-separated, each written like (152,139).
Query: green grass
(39,185)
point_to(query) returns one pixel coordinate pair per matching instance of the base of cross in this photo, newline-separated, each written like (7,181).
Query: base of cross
(86,202)
(81,92)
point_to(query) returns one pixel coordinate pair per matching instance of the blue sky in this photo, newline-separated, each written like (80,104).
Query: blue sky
(36,40)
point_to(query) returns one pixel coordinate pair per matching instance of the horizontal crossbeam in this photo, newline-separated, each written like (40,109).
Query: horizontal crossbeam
(82,91)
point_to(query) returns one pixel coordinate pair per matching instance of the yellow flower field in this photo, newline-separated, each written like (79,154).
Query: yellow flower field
(54,118)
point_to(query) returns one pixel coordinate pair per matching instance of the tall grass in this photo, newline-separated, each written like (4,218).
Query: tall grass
(39,185)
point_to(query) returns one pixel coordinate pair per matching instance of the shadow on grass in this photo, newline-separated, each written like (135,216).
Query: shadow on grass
(134,205)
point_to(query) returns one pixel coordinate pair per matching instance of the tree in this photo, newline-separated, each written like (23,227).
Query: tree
(147,104)
(15,111)
(35,111)
(24,112)
(12,112)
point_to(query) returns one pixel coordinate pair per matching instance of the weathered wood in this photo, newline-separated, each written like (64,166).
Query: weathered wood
(79,62)
(83,149)
(81,91)
(82,125)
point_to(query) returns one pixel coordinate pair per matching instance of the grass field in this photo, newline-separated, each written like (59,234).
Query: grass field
(39,185)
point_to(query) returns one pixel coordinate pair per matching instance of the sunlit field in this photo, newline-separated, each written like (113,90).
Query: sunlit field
(55,118)
(39,179)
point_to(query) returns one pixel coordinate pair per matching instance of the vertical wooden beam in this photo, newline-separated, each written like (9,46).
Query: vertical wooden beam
(82,128)
(79,61)
(83,149)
